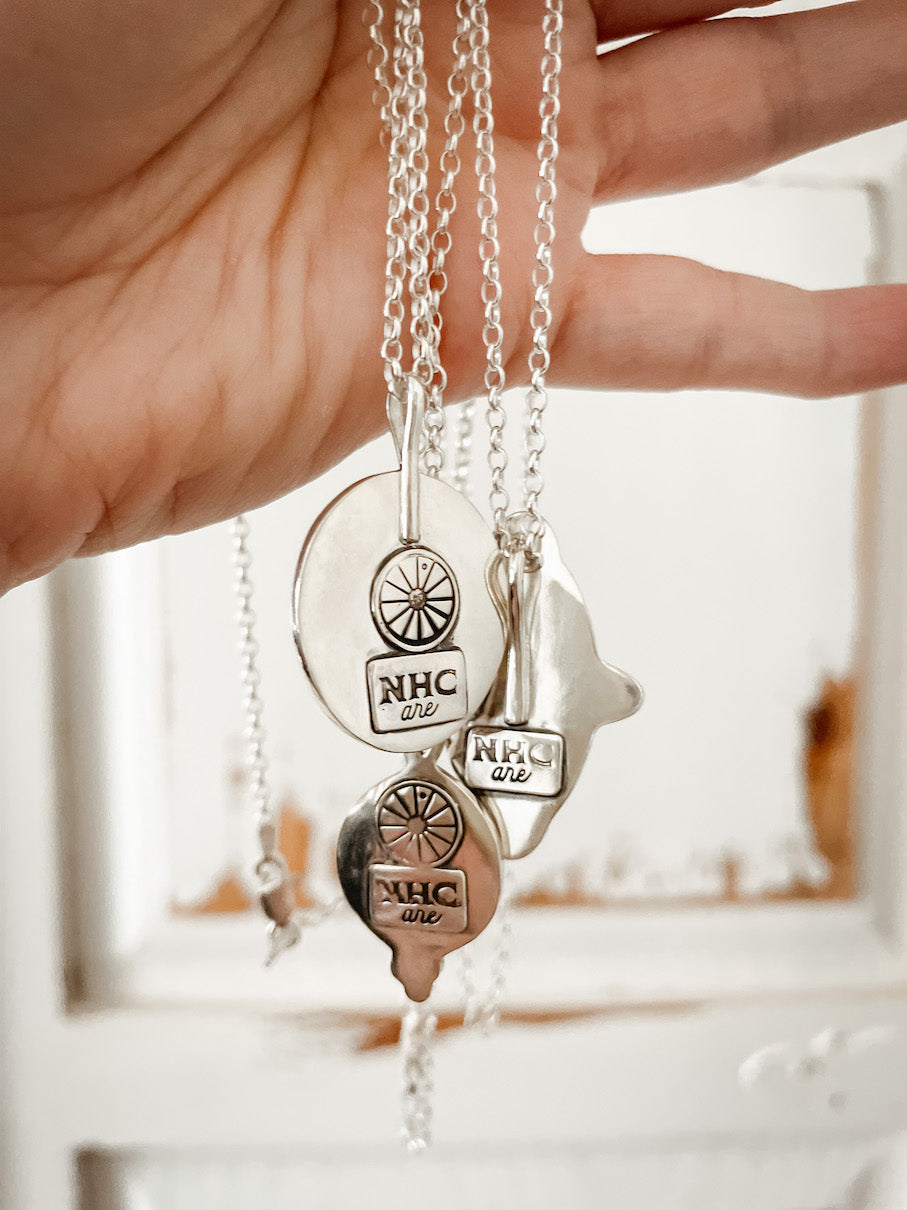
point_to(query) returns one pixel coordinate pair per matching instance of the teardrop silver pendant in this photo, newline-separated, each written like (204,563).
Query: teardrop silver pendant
(524,750)
(420,864)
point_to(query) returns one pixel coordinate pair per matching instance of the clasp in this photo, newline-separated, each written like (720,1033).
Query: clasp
(278,902)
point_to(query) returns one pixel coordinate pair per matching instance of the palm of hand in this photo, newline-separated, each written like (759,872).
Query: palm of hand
(215,300)
(194,294)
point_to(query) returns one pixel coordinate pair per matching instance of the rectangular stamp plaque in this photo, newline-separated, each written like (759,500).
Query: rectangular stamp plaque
(419,898)
(418,690)
(512,761)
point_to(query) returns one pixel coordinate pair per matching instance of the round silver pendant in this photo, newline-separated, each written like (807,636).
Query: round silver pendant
(401,642)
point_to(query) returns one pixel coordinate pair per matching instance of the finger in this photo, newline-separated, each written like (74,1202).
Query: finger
(664,323)
(623,18)
(720,100)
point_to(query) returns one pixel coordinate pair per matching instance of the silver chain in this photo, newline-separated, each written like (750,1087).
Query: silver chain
(404,130)
(445,205)
(274,882)
(542,276)
(413,89)
(415,260)
(250,677)
(483,1011)
(416,1033)
(401,99)
(489,253)
(462,452)
(395,274)
(543,272)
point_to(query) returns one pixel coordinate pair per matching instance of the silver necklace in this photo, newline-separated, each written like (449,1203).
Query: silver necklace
(468,651)
(523,752)
(395,624)
(403,119)
(273,881)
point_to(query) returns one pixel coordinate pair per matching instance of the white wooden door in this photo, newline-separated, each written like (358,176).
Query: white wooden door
(668,1041)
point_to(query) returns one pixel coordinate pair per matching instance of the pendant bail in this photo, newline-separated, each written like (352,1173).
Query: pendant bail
(522,591)
(406,420)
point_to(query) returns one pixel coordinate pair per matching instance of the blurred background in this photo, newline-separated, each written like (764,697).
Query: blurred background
(706,985)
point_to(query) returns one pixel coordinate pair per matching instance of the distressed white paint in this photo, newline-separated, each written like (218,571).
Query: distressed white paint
(522,1178)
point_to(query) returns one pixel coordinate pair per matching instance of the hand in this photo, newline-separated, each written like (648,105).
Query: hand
(192,201)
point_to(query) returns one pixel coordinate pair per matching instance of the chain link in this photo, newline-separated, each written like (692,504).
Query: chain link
(416,1033)
(416,260)
(461,476)
(542,276)
(489,254)
(441,243)
(543,272)
(250,678)
(373,19)
(273,878)
(483,1011)
(414,87)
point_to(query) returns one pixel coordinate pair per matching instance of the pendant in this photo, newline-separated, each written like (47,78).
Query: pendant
(394,619)
(420,863)
(524,750)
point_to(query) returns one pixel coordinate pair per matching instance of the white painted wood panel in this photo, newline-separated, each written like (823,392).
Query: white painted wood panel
(805,1177)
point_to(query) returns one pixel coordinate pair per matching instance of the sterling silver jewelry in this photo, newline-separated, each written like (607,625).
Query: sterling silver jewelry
(394,621)
(274,884)
(419,863)
(467,650)
(523,752)
(423,820)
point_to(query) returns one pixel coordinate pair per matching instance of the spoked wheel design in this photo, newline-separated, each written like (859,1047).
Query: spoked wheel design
(419,824)
(415,599)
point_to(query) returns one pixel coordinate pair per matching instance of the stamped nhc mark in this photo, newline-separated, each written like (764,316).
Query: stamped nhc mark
(432,900)
(508,760)
(408,691)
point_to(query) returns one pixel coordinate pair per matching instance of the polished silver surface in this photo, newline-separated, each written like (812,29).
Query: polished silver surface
(408,444)
(573,693)
(335,630)
(420,864)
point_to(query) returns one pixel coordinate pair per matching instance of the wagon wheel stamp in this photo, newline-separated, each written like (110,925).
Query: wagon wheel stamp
(415,600)
(419,824)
